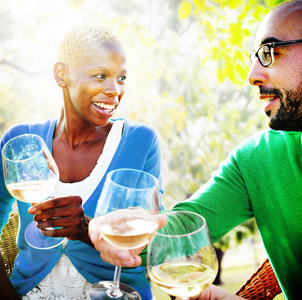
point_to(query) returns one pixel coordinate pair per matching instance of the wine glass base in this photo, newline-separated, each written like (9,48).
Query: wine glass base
(99,291)
(37,240)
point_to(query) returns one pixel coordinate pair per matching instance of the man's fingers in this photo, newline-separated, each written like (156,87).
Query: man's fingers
(93,231)
(162,220)
(114,255)
(122,259)
(94,237)
(111,254)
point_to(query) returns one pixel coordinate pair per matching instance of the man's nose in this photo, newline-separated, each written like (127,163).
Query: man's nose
(257,75)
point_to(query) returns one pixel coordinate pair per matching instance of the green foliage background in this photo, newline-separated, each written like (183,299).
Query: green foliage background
(188,61)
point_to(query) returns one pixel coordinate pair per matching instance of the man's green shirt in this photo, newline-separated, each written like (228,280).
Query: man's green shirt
(261,178)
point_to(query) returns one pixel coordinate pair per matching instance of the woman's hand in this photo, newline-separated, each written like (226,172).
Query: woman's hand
(67,213)
(114,255)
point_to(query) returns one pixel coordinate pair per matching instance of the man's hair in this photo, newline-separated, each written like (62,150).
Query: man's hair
(79,41)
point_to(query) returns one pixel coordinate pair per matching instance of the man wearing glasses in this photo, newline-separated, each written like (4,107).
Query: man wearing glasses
(276,66)
(262,177)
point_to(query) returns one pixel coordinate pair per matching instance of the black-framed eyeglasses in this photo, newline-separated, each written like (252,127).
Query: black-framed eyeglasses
(265,53)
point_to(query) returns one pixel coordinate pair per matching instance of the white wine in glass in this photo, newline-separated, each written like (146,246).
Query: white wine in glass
(128,228)
(126,216)
(31,175)
(181,259)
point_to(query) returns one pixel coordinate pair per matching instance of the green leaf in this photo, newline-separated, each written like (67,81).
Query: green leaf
(185,9)
(200,4)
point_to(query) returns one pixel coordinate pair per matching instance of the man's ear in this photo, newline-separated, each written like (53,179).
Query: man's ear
(60,74)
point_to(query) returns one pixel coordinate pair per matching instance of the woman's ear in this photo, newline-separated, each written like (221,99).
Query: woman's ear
(60,74)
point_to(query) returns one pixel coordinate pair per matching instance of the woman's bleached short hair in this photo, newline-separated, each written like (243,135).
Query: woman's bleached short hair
(79,41)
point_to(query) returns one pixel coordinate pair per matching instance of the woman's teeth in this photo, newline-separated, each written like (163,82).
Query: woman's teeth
(105,106)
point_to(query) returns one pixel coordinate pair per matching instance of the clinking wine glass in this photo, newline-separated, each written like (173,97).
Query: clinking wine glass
(31,175)
(126,217)
(181,259)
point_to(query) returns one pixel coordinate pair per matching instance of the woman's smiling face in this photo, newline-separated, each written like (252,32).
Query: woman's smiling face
(97,85)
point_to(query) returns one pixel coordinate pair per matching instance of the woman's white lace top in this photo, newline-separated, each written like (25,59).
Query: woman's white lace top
(64,281)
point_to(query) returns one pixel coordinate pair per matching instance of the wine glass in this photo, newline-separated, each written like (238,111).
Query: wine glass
(126,217)
(181,258)
(31,175)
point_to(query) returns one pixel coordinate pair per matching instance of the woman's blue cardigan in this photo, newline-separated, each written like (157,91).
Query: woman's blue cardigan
(138,149)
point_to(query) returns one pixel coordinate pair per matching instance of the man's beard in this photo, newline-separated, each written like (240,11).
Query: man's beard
(289,115)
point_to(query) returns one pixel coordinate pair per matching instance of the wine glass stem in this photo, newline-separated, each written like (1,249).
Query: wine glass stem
(117,276)
(115,290)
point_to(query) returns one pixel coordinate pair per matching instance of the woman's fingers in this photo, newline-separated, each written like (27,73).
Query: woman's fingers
(56,206)
(62,217)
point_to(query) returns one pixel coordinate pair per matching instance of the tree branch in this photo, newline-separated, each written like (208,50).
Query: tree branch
(16,67)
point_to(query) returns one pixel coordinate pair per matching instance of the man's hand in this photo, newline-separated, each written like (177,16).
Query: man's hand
(114,255)
(215,293)
(67,213)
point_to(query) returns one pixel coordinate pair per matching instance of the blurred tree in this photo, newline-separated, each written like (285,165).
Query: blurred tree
(226,25)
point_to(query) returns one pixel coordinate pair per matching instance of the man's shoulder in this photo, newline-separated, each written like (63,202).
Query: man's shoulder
(266,144)
(269,137)
(254,139)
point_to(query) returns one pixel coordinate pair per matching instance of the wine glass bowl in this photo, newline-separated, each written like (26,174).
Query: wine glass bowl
(126,217)
(28,166)
(128,228)
(181,259)
(30,175)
